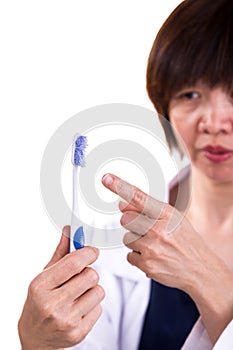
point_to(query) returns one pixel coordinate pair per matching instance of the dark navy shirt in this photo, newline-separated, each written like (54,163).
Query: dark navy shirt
(170,316)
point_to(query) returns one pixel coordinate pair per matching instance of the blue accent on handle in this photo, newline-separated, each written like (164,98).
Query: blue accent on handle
(78,239)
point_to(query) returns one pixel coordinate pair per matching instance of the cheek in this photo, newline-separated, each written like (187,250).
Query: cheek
(186,131)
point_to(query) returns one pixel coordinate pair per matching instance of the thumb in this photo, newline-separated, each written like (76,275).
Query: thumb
(62,248)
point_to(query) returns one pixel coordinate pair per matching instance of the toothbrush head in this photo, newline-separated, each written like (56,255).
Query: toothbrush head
(80,144)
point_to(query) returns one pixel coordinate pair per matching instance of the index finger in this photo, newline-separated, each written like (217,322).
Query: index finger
(133,195)
(70,265)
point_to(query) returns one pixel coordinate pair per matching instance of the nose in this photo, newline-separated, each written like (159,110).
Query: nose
(217,118)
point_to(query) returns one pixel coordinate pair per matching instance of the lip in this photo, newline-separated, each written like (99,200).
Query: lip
(217,154)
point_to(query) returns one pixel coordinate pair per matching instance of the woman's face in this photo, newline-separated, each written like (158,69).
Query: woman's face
(204,119)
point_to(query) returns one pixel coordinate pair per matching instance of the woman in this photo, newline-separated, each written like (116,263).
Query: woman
(190,82)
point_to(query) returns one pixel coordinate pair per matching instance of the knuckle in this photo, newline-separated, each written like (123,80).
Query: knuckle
(72,263)
(171,214)
(159,252)
(154,252)
(152,227)
(62,322)
(91,275)
(129,257)
(86,326)
(157,231)
(149,268)
(49,311)
(120,187)
(34,288)
(99,292)
(75,336)
(150,252)
(166,240)
(149,274)
(138,196)
(66,324)
(92,318)
(124,220)
(81,335)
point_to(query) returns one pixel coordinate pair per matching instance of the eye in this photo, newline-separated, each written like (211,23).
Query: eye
(189,95)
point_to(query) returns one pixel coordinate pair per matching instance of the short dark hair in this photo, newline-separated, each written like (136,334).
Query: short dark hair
(194,44)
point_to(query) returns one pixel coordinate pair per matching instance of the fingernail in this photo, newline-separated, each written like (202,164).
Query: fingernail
(66,230)
(107,180)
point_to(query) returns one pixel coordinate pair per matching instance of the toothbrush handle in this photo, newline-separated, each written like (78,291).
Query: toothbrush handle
(77,232)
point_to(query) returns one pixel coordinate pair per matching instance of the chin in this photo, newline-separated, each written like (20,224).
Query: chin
(222,175)
(217,172)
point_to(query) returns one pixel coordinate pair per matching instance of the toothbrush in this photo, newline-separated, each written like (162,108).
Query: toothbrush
(78,159)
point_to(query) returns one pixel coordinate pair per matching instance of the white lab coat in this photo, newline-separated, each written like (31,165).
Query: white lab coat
(198,338)
(225,342)
(127,295)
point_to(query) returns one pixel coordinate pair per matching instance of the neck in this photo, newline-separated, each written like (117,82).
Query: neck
(210,199)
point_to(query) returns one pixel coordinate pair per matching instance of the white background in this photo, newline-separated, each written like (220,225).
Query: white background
(57,59)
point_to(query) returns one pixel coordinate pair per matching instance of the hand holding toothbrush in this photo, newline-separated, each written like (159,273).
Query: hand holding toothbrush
(63,301)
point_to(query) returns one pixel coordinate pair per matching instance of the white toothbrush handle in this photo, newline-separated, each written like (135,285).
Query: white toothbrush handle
(76,232)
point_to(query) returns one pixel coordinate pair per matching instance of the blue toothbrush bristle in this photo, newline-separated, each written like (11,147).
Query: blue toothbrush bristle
(79,149)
